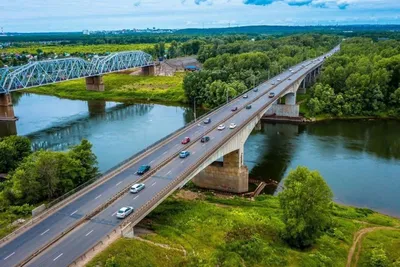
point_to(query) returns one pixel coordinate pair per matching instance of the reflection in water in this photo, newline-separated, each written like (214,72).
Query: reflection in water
(359,160)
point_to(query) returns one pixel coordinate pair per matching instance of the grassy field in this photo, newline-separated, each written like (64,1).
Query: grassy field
(221,231)
(121,87)
(77,49)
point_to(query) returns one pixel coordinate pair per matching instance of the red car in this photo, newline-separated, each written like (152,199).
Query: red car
(185,140)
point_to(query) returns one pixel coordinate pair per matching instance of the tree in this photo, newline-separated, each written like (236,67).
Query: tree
(378,258)
(87,161)
(306,204)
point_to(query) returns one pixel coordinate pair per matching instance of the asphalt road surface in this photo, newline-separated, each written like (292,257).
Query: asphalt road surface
(88,234)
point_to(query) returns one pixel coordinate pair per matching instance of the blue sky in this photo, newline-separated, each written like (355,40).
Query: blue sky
(77,15)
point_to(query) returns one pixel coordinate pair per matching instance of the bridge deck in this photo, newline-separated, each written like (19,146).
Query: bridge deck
(171,169)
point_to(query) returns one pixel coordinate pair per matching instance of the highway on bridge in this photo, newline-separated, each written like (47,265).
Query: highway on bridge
(163,158)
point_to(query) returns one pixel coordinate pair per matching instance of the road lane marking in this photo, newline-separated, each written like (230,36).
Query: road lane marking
(168,172)
(58,256)
(118,183)
(196,131)
(74,212)
(45,232)
(89,233)
(114,214)
(165,152)
(176,144)
(193,152)
(203,144)
(212,138)
(182,161)
(154,183)
(135,197)
(98,196)
(151,161)
(9,255)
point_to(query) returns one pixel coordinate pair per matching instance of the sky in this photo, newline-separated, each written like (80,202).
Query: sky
(78,15)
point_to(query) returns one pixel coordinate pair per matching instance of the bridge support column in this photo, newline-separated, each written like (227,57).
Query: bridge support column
(230,176)
(289,109)
(6,108)
(302,89)
(95,83)
(258,126)
(148,70)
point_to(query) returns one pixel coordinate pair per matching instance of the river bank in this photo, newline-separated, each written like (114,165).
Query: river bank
(122,87)
(216,230)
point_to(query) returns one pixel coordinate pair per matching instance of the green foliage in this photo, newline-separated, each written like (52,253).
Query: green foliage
(230,68)
(378,258)
(361,80)
(306,204)
(13,149)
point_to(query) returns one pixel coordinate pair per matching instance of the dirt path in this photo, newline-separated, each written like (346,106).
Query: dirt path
(357,241)
(161,245)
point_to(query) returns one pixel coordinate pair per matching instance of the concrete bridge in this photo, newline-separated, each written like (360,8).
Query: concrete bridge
(45,72)
(73,230)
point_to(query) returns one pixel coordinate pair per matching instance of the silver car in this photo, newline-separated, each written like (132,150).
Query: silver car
(124,212)
(136,188)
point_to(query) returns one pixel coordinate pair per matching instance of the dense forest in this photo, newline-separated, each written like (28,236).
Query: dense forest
(363,79)
(37,177)
(232,68)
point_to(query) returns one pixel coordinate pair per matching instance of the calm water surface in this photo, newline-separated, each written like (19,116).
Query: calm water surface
(359,160)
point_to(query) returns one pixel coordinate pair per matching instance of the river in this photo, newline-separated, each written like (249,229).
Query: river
(360,160)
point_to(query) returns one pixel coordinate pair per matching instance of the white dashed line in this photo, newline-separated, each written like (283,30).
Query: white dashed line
(151,161)
(193,152)
(168,172)
(135,197)
(118,183)
(154,183)
(9,255)
(211,138)
(89,233)
(98,196)
(74,212)
(58,256)
(182,161)
(45,232)
(176,144)
(203,144)
(114,214)
(165,152)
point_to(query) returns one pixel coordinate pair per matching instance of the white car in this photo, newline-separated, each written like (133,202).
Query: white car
(278,79)
(221,127)
(136,188)
(232,125)
(290,69)
(124,212)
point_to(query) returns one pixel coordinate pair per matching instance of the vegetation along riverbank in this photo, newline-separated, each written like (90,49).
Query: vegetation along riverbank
(194,228)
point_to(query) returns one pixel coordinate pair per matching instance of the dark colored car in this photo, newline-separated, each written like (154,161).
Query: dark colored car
(255,90)
(184,154)
(143,169)
(207,121)
(234,109)
(271,95)
(248,107)
(245,96)
(185,140)
(205,139)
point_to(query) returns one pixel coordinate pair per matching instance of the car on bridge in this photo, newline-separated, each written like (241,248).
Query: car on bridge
(143,169)
(221,127)
(185,140)
(255,90)
(279,79)
(184,154)
(205,139)
(234,109)
(248,107)
(136,188)
(124,212)
(207,121)
(273,83)
(245,96)
(271,95)
(232,125)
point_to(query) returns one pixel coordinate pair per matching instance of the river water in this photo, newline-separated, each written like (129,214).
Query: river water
(360,160)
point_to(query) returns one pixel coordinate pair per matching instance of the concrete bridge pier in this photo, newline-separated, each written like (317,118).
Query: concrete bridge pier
(95,83)
(230,176)
(258,126)
(148,70)
(302,89)
(6,108)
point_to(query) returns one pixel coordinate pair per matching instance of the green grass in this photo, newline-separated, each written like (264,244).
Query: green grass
(389,240)
(238,232)
(121,87)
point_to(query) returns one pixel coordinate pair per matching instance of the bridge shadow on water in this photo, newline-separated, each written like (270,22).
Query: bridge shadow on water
(268,152)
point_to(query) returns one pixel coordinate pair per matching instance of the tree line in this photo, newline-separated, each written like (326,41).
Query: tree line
(40,176)
(363,79)
(231,68)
